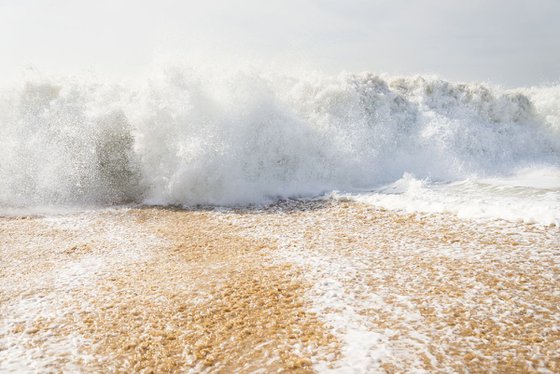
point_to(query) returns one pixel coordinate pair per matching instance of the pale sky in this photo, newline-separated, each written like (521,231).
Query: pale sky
(507,42)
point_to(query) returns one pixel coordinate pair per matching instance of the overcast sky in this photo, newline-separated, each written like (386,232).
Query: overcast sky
(508,42)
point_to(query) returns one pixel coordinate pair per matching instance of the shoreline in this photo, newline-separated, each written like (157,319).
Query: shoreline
(306,286)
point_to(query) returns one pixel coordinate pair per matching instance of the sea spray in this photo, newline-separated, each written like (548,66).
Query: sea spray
(185,136)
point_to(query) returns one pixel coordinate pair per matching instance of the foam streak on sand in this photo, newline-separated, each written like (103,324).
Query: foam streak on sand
(49,264)
(427,293)
(183,293)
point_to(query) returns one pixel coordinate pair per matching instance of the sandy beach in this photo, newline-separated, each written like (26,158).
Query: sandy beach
(347,187)
(296,286)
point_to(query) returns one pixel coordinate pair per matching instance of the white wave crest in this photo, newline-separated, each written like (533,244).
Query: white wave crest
(185,136)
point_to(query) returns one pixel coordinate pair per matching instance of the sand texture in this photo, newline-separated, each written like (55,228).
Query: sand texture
(293,287)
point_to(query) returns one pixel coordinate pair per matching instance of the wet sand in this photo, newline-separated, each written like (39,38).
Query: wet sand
(297,286)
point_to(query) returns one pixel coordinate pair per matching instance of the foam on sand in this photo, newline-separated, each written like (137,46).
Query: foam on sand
(324,285)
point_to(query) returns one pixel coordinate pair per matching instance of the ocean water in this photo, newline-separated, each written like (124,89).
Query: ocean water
(189,136)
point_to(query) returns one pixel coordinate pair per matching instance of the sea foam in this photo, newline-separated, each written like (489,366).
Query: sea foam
(190,136)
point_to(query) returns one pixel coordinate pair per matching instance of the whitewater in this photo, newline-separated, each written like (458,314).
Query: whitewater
(193,136)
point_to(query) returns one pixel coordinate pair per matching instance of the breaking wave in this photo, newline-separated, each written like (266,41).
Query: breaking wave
(185,136)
